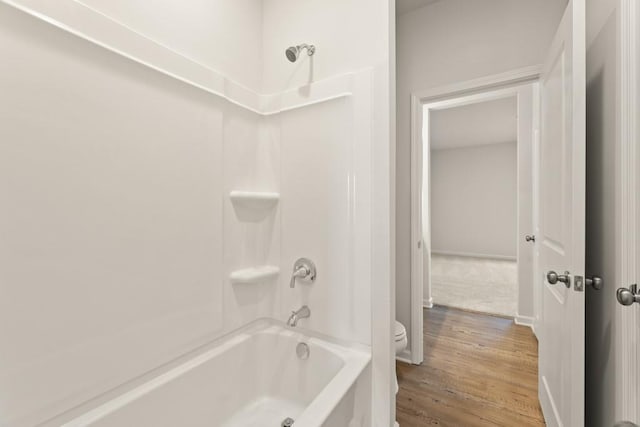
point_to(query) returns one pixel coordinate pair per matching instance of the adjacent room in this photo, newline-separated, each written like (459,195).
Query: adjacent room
(473,201)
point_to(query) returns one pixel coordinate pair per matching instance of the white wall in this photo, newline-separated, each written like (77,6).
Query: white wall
(449,42)
(341,45)
(111,257)
(221,34)
(474,200)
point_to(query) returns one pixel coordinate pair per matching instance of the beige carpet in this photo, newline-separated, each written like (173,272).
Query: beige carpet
(478,284)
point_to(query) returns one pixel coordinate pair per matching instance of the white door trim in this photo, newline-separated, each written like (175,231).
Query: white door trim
(486,88)
(509,78)
(628,336)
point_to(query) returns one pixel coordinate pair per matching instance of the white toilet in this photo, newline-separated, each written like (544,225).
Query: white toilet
(401,342)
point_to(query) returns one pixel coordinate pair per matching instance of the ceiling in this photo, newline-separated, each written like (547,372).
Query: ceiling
(483,123)
(406,6)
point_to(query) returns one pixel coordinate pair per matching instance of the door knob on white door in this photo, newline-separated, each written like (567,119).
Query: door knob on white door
(628,296)
(595,282)
(553,278)
(530,238)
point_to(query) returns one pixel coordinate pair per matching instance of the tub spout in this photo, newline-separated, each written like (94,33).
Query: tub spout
(303,313)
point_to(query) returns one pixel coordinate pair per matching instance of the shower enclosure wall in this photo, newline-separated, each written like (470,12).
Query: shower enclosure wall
(161,170)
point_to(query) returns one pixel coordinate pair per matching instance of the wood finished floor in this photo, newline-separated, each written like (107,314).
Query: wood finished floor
(478,370)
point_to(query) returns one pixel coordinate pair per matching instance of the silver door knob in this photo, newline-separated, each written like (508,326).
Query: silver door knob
(553,278)
(595,282)
(628,296)
(530,238)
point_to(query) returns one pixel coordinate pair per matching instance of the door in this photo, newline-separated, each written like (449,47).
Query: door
(527,122)
(561,175)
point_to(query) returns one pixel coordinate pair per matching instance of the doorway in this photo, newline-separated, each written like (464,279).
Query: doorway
(457,245)
(474,198)
(473,205)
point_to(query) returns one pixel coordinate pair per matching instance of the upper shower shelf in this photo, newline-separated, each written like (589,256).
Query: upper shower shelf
(253,206)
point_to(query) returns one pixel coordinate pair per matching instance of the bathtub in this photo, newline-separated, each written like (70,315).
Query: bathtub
(253,377)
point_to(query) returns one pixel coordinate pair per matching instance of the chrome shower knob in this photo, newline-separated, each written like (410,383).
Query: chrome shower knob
(304,269)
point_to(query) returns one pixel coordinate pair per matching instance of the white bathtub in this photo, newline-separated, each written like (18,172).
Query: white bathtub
(251,378)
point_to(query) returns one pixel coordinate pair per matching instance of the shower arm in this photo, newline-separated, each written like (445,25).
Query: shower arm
(311,49)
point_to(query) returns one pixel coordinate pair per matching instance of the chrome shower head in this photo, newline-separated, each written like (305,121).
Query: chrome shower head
(294,51)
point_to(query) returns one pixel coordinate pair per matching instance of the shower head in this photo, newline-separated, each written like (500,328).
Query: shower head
(294,51)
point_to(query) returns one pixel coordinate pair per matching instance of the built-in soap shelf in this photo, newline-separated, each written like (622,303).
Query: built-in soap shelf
(254,274)
(253,206)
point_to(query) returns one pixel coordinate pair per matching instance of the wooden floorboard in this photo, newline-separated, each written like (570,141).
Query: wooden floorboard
(478,370)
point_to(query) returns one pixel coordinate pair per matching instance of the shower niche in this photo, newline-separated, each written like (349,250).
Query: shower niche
(254,207)
(251,215)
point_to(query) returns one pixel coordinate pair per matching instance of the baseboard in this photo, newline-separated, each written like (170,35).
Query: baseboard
(533,328)
(524,321)
(472,255)
(405,357)
(427,303)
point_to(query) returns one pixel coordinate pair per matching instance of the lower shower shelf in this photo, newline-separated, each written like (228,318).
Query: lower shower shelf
(254,274)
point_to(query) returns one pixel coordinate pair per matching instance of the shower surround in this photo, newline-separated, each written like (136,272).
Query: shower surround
(162,183)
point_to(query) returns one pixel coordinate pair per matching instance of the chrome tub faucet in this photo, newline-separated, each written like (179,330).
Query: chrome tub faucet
(303,313)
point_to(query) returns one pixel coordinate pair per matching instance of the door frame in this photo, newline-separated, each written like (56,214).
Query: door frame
(628,318)
(484,88)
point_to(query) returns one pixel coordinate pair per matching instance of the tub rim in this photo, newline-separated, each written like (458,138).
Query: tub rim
(355,356)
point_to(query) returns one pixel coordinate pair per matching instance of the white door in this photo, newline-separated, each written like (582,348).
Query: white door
(561,176)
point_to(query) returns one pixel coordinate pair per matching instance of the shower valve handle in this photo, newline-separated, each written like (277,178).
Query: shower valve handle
(303,269)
